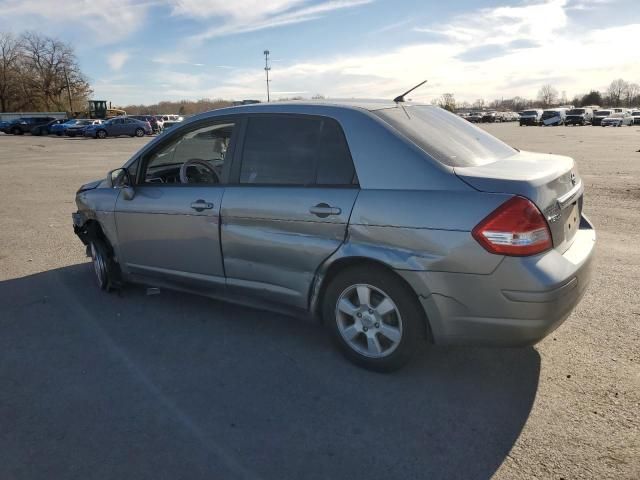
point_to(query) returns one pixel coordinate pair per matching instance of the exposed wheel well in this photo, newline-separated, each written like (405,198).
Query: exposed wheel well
(348,262)
(93,229)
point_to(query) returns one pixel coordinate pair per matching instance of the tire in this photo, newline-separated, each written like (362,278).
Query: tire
(101,263)
(139,132)
(16,131)
(358,329)
(101,134)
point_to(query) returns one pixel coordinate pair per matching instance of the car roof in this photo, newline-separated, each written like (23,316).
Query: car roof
(308,107)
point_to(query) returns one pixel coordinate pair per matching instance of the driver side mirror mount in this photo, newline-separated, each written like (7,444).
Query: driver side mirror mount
(119,178)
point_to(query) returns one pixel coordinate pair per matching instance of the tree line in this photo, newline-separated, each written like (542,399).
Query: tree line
(619,93)
(40,73)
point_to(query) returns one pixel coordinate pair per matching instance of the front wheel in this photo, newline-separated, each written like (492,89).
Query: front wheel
(139,132)
(101,134)
(100,259)
(374,318)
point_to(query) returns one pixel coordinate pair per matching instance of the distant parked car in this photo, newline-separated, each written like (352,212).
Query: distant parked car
(618,120)
(3,126)
(61,128)
(20,126)
(156,125)
(475,117)
(78,128)
(45,129)
(170,118)
(489,117)
(530,117)
(553,117)
(579,116)
(119,126)
(636,117)
(600,115)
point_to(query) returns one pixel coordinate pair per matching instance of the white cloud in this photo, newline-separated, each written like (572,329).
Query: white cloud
(105,21)
(252,15)
(117,60)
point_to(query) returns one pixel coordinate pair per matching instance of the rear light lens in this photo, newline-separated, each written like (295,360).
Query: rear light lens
(515,228)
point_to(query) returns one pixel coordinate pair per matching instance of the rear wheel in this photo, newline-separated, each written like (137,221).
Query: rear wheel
(374,318)
(101,134)
(16,131)
(139,132)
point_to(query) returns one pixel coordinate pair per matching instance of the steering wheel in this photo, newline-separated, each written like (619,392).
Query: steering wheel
(200,163)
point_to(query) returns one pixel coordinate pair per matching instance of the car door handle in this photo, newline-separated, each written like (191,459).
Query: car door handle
(200,205)
(323,210)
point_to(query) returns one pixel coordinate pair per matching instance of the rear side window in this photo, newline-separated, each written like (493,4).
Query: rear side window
(446,137)
(295,150)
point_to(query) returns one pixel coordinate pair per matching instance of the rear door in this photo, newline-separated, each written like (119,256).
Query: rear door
(170,229)
(289,207)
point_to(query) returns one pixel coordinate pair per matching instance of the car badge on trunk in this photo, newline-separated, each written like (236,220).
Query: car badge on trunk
(574,178)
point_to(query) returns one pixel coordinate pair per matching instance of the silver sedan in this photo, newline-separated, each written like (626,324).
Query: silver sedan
(395,224)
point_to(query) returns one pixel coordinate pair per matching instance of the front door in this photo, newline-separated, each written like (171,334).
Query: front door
(170,228)
(288,210)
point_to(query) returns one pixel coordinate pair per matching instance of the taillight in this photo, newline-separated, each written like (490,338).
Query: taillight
(515,228)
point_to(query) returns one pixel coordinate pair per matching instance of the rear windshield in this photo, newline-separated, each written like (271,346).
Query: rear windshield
(576,111)
(446,137)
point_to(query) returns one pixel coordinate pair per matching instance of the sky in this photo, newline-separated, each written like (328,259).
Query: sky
(144,51)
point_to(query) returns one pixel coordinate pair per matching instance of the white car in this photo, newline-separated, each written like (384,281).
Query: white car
(618,120)
(636,117)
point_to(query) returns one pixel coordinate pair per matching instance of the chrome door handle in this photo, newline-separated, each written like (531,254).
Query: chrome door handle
(323,210)
(200,205)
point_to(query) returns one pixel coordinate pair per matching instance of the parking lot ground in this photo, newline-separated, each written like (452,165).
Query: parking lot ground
(129,385)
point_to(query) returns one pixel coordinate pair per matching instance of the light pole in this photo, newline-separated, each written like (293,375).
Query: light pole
(266,70)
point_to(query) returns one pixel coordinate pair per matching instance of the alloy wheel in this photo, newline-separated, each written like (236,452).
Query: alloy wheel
(368,320)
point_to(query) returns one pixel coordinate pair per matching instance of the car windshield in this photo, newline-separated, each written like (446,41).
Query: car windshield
(603,112)
(636,114)
(529,112)
(446,137)
(576,111)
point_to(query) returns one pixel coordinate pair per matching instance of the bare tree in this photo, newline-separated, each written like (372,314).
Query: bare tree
(616,91)
(447,101)
(10,52)
(479,104)
(547,95)
(49,63)
(631,93)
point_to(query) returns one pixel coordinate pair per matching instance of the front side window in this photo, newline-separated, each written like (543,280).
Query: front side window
(195,157)
(295,150)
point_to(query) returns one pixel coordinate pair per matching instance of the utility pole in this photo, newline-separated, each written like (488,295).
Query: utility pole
(66,77)
(266,69)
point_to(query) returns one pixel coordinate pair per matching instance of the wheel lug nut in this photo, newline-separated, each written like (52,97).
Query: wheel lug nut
(359,315)
(377,325)
(370,311)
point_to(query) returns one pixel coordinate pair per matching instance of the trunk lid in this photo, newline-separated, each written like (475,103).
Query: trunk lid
(550,181)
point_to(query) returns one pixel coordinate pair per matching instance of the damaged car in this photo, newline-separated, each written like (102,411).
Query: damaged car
(394,224)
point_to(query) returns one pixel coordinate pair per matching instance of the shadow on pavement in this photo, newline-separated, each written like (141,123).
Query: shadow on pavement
(98,385)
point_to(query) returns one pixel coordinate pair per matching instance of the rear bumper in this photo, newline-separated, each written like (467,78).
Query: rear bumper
(520,303)
(529,121)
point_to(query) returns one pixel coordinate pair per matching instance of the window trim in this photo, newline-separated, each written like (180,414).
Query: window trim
(234,177)
(184,130)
